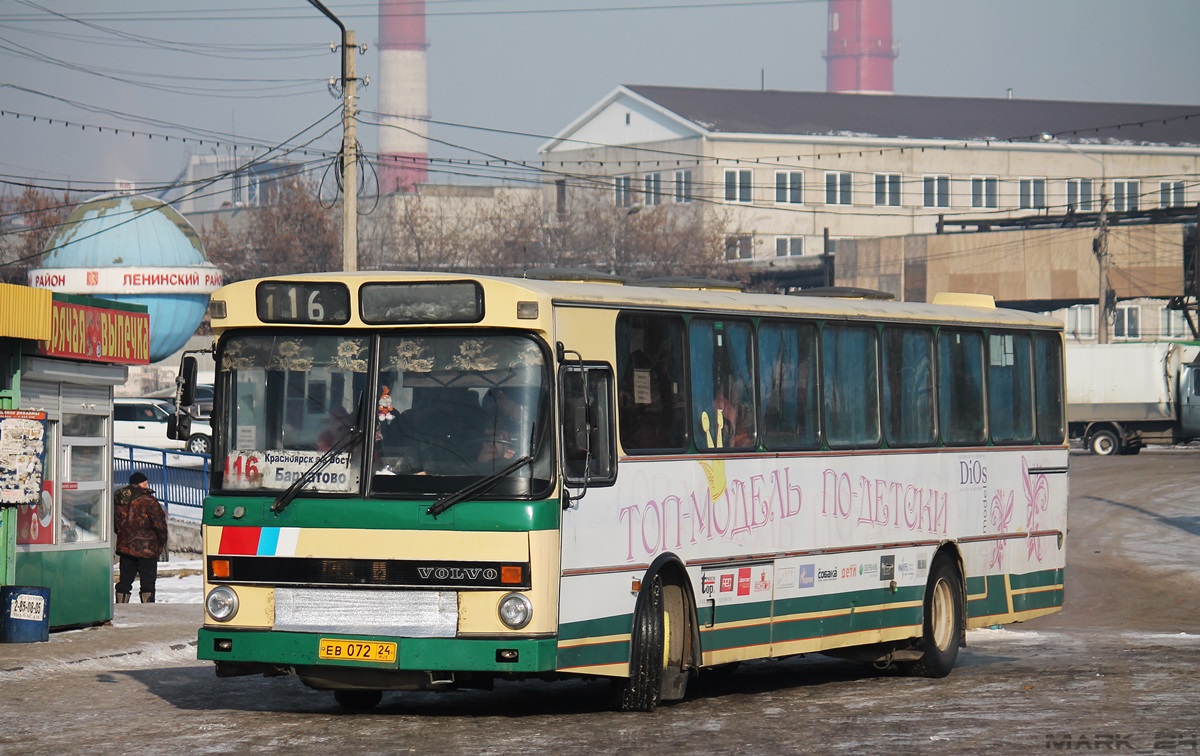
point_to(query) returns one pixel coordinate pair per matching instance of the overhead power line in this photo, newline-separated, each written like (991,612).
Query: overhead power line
(290,13)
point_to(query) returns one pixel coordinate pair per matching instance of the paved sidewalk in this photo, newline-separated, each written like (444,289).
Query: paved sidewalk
(138,632)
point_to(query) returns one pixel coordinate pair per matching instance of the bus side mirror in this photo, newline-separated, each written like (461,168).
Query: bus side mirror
(580,428)
(179,426)
(186,383)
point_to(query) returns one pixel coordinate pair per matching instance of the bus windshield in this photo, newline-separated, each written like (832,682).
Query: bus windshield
(459,405)
(438,410)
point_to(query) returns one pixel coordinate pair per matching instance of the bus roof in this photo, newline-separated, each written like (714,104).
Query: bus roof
(612,293)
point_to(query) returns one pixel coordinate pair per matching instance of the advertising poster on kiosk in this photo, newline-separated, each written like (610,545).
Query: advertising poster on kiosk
(22,466)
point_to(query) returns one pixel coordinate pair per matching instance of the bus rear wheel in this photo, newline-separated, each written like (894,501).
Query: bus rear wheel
(943,625)
(358,700)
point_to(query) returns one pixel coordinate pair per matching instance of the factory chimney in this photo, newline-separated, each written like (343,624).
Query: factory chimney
(403,96)
(860,53)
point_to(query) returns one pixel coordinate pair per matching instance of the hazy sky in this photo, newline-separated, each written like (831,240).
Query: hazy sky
(255,71)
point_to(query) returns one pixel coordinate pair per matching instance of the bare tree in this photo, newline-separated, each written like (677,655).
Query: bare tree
(639,241)
(295,234)
(32,218)
(497,230)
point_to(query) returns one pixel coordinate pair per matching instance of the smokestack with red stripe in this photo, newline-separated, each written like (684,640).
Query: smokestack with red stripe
(860,53)
(403,96)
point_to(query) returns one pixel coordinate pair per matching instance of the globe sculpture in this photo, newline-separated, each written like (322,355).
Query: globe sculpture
(137,249)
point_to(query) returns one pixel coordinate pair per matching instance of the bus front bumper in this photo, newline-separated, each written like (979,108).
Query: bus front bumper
(263,650)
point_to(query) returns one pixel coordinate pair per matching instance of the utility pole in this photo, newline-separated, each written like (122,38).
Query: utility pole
(1102,264)
(349,154)
(349,143)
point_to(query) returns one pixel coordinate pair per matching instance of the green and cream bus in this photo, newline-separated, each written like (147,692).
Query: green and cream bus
(434,481)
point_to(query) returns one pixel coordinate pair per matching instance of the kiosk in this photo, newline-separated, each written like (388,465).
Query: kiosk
(60,357)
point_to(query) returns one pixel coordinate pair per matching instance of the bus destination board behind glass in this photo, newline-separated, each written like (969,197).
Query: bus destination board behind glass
(302,302)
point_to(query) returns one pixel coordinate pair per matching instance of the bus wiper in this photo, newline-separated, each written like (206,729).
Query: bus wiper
(478,487)
(346,441)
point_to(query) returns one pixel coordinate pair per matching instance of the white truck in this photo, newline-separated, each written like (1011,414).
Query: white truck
(1123,396)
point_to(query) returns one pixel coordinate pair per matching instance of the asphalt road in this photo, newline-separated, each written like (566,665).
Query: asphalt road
(1117,670)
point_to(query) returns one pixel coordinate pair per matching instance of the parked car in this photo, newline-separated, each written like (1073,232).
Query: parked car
(143,422)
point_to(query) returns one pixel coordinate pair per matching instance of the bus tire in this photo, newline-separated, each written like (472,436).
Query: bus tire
(943,620)
(642,690)
(1104,443)
(358,700)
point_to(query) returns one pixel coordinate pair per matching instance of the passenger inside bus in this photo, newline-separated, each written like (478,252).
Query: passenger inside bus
(503,438)
(442,434)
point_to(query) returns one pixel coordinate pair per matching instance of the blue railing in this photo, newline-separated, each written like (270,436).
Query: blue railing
(179,478)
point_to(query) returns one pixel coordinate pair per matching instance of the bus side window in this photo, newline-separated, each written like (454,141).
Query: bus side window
(722,380)
(1010,387)
(1048,386)
(788,385)
(960,387)
(650,390)
(908,386)
(850,365)
(589,449)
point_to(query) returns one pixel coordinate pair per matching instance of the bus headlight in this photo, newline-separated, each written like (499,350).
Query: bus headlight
(221,604)
(515,611)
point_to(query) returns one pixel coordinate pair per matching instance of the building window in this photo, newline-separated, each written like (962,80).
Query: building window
(1081,321)
(683,186)
(1033,194)
(652,184)
(739,247)
(887,189)
(1172,324)
(1126,324)
(983,191)
(1125,195)
(737,186)
(1079,195)
(624,191)
(1170,194)
(789,246)
(838,189)
(789,187)
(937,191)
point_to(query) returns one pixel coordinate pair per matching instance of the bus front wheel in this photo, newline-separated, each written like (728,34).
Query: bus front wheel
(943,625)
(358,700)
(642,690)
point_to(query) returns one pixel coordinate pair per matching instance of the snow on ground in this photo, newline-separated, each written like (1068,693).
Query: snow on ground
(179,581)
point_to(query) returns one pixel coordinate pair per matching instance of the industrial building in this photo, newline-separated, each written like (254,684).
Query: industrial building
(795,172)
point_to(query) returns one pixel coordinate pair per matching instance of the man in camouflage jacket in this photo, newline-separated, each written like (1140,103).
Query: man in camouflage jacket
(141,527)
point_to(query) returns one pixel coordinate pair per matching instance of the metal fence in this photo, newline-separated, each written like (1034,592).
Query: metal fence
(179,478)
